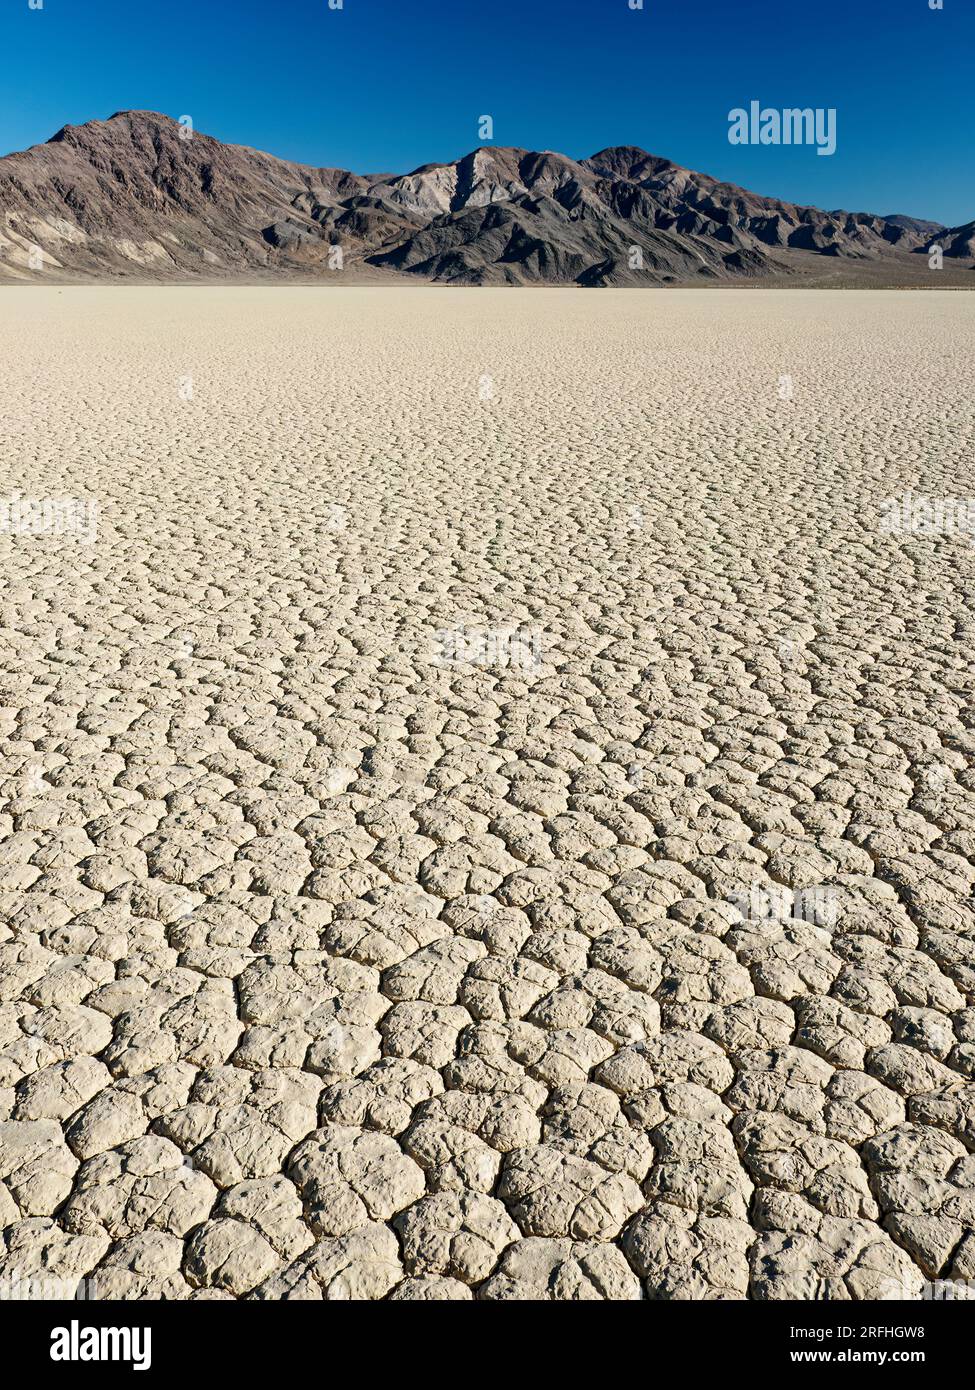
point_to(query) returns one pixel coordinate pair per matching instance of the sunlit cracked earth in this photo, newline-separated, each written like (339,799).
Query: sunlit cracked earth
(489,811)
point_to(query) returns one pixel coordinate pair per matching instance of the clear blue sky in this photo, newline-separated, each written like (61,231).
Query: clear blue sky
(385,85)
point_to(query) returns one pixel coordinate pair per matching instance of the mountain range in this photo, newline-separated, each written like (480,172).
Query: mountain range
(142,198)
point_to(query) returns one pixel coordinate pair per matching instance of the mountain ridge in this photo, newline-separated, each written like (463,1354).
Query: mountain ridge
(139,197)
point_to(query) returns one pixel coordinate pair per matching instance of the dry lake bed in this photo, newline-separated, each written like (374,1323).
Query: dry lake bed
(487,803)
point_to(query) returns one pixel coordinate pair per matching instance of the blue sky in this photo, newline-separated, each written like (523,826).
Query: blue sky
(385,85)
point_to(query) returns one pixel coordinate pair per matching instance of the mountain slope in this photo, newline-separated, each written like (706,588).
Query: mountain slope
(134,198)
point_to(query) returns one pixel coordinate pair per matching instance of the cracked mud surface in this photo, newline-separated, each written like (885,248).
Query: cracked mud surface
(344,956)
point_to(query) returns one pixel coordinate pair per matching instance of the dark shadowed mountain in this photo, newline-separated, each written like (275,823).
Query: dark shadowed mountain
(914,224)
(132,198)
(957,242)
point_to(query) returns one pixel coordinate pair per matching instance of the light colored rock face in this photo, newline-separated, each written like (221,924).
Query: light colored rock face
(489,813)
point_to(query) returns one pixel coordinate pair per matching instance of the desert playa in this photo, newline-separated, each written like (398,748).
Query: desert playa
(487,805)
